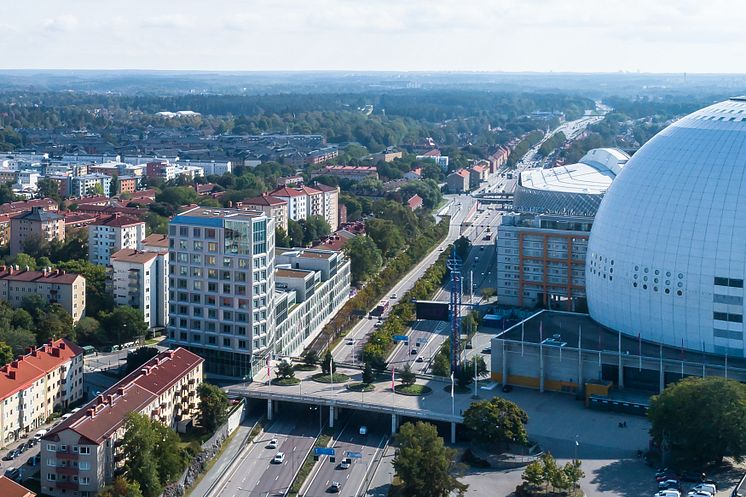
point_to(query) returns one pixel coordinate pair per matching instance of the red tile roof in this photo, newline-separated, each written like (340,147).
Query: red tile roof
(134,256)
(309,191)
(22,373)
(156,240)
(264,199)
(117,220)
(106,413)
(286,192)
(9,488)
(56,276)
(18,207)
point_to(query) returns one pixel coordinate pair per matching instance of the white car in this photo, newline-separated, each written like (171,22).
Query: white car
(705,487)
(363,430)
(346,463)
(668,493)
(272,444)
(279,458)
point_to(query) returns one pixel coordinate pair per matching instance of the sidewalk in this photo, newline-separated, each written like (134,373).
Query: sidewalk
(381,481)
(229,456)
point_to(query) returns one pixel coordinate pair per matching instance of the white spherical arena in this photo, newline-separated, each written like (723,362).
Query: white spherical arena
(667,252)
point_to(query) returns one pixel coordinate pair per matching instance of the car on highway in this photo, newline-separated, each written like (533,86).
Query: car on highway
(413,352)
(335,487)
(668,493)
(419,359)
(279,458)
(272,444)
(394,295)
(487,350)
(346,463)
(363,430)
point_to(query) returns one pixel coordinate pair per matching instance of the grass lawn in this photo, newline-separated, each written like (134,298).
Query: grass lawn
(360,387)
(285,382)
(413,390)
(304,367)
(325,378)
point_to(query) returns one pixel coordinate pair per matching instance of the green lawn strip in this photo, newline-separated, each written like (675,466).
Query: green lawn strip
(285,382)
(325,378)
(360,387)
(413,390)
(305,470)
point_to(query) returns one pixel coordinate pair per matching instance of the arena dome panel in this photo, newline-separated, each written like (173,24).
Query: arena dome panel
(667,252)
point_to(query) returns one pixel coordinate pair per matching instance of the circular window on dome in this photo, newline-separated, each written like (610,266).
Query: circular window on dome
(655,280)
(646,270)
(657,272)
(644,278)
(655,288)
(681,276)
(611,270)
(667,290)
(679,284)
(635,276)
(644,287)
(634,284)
(611,278)
(637,268)
(668,274)
(679,293)
(668,282)
(612,262)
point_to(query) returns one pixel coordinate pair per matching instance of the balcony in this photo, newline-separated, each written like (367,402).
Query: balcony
(66,485)
(67,456)
(67,470)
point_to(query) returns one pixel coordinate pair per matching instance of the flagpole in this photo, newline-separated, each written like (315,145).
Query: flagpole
(522,336)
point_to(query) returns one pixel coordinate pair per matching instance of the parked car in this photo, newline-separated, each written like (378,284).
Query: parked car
(487,350)
(668,493)
(40,434)
(669,484)
(13,473)
(10,455)
(705,487)
(419,359)
(279,458)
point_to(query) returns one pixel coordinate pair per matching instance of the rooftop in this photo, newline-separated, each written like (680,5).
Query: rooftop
(592,175)
(56,276)
(200,214)
(107,412)
(265,199)
(39,214)
(292,273)
(117,220)
(133,256)
(286,192)
(22,373)
(156,240)
(9,488)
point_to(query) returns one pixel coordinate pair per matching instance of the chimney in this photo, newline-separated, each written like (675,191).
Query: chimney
(91,413)
(62,345)
(109,399)
(12,375)
(99,399)
(56,352)
(120,391)
(14,364)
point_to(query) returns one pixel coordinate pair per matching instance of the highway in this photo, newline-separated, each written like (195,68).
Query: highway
(254,475)
(458,208)
(368,446)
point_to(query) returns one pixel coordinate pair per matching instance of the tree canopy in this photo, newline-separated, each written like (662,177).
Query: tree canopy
(497,421)
(365,257)
(213,406)
(424,463)
(701,420)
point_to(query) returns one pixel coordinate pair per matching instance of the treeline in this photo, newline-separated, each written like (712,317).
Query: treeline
(378,285)
(524,146)
(552,143)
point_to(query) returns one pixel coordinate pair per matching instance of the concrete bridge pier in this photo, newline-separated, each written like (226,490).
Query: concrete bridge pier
(394,423)
(332,416)
(453,432)
(269,410)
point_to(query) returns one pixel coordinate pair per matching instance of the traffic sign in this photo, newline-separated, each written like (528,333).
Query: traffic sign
(354,455)
(323,451)
(400,338)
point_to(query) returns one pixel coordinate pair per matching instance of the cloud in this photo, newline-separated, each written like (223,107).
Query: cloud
(63,23)
(169,21)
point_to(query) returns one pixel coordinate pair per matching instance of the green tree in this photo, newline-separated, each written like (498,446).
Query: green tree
(285,370)
(295,233)
(386,234)
(281,238)
(48,188)
(365,258)
(441,365)
(6,353)
(327,365)
(123,324)
(407,376)
(314,228)
(368,375)
(121,487)
(498,421)
(97,298)
(424,463)
(88,331)
(24,260)
(138,448)
(213,406)
(533,474)
(462,246)
(715,432)
(573,473)
(140,356)
(178,196)
(311,358)
(19,339)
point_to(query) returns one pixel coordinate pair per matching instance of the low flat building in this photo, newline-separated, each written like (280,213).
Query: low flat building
(354,173)
(83,453)
(53,286)
(46,379)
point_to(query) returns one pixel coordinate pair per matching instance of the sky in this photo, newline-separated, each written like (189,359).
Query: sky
(376,35)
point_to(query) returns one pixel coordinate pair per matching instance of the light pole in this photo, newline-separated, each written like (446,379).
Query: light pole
(576,447)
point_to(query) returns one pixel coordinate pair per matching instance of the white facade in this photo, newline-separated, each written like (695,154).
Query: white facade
(666,255)
(140,280)
(111,236)
(82,186)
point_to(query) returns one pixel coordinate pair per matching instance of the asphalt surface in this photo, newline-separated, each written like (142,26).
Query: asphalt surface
(254,475)
(353,479)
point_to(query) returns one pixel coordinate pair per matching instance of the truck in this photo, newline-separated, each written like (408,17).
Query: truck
(380,308)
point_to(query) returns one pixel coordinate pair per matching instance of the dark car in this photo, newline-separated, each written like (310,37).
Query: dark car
(669,484)
(507,388)
(487,350)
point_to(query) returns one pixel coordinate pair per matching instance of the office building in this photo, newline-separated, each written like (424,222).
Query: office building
(35,227)
(82,454)
(34,385)
(52,285)
(221,286)
(111,234)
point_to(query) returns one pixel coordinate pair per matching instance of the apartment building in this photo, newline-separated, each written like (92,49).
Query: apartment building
(297,202)
(354,173)
(90,184)
(221,286)
(541,260)
(36,226)
(127,184)
(52,285)
(34,385)
(329,205)
(458,181)
(111,234)
(274,207)
(311,286)
(83,453)
(140,280)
